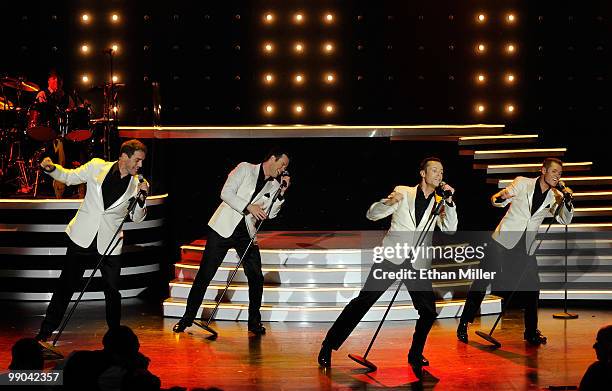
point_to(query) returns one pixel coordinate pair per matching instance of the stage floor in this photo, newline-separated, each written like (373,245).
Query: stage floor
(285,358)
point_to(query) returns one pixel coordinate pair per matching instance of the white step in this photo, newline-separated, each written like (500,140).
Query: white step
(325,312)
(309,293)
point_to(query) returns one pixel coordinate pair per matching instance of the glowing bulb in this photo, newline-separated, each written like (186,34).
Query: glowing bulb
(510,18)
(481,78)
(510,108)
(329,18)
(329,108)
(268,47)
(481,18)
(510,48)
(269,78)
(298,108)
(269,18)
(299,47)
(85,78)
(510,78)
(85,18)
(299,18)
(329,78)
(480,108)
(84,48)
(115,79)
(299,78)
(328,47)
(269,109)
(481,48)
(115,18)
(115,47)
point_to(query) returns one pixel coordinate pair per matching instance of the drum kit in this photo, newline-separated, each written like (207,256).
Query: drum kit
(31,129)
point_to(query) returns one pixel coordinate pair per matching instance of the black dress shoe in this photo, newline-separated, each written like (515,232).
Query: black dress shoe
(325,355)
(534,338)
(181,326)
(422,361)
(462,332)
(417,365)
(43,336)
(257,329)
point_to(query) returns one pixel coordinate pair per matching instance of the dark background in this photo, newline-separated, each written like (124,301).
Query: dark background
(396,62)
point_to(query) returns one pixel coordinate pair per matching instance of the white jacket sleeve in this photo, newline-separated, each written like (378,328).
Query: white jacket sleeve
(139,213)
(565,215)
(448,223)
(513,189)
(229,193)
(74,176)
(379,210)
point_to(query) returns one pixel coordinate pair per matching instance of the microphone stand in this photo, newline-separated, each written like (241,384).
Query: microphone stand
(565,314)
(50,351)
(363,360)
(206,326)
(489,336)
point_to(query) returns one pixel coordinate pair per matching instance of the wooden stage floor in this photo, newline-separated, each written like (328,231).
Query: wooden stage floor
(285,358)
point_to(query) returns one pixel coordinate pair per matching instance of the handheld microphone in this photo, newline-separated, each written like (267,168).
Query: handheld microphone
(284,182)
(443,193)
(141,180)
(566,195)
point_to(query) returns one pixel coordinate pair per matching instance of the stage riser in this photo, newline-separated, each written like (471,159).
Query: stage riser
(33,248)
(312,296)
(288,258)
(301,276)
(330,314)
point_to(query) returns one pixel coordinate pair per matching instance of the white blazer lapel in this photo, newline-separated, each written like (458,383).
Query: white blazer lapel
(410,201)
(530,190)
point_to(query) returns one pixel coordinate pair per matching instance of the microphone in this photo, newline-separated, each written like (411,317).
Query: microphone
(443,193)
(284,182)
(567,196)
(141,180)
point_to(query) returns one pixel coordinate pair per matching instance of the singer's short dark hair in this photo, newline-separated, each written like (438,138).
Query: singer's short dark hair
(277,153)
(425,162)
(131,146)
(550,160)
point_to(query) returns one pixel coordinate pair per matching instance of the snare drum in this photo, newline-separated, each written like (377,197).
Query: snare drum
(79,129)
(42,122)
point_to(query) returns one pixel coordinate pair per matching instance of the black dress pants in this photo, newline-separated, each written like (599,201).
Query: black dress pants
(71,279)
(516,271)
(216,248)
(420,291)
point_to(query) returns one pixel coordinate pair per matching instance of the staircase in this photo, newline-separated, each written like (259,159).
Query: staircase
(589,244)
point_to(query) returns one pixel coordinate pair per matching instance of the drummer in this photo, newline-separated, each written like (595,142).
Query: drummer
(55,96)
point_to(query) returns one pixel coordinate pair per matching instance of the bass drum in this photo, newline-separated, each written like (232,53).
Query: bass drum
(42,122)
(79,128)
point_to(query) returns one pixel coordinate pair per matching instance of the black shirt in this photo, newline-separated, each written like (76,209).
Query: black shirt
(420,204)
(538,197)
(114,186)
(261,182)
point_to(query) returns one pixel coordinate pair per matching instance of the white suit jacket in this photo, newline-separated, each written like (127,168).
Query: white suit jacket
(236,194)
(518,218)
(91,218)
(403,222)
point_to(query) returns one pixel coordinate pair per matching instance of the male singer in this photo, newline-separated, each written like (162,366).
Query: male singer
(246,198)
(110,188)
(410,209)
(514,243)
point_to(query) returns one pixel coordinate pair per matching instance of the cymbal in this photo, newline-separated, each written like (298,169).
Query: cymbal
(23,85)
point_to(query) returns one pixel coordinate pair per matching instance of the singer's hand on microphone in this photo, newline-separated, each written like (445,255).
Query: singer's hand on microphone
(144,187)
(286,181)
(257,212)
